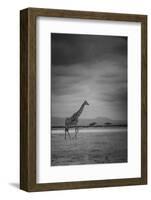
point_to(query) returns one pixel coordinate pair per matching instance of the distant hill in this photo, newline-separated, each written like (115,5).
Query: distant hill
(57,121)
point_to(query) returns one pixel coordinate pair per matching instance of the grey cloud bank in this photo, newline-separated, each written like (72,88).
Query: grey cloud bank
(92,68)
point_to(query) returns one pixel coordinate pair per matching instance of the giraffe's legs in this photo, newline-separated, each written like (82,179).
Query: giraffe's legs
(76,131)
(67,131)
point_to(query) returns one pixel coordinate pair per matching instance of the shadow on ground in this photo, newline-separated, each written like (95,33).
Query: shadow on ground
(16,185)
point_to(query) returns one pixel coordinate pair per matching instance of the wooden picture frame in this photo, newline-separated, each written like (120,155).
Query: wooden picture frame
(28,99)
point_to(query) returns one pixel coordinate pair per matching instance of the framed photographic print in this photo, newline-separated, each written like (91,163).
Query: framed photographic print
(83,99)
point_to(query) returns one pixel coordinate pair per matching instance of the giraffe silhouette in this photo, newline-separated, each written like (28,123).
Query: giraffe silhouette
(73,120)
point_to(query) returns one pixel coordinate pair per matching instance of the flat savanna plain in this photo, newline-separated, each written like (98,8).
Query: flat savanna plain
(92,146)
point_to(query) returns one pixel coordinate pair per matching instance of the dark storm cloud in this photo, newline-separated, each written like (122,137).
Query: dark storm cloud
(64,71)
(64,85)
(65,81)
(112,79)
(117,101)
(118,96)
(68,49)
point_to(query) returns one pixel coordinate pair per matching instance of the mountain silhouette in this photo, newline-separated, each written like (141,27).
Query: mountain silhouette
(58,121)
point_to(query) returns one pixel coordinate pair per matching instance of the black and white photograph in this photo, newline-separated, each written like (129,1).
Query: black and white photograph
(88,99)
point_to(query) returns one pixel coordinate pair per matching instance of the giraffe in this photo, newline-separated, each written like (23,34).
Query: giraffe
(73,120)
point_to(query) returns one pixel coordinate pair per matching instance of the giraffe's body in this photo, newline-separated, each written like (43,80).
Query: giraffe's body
(73,120)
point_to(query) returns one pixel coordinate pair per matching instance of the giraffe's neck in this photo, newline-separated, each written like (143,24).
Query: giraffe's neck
(80,110)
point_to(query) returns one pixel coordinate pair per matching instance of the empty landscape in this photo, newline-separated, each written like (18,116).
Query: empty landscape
(92,146)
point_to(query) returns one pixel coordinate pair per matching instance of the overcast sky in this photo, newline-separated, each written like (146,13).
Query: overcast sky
(92,68)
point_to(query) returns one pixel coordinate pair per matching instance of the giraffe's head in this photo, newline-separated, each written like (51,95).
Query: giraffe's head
(86,103)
